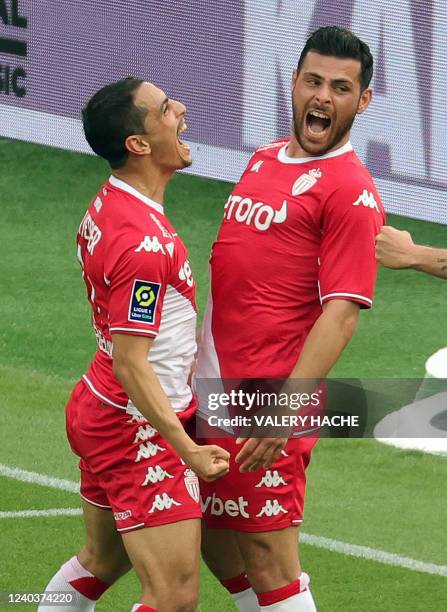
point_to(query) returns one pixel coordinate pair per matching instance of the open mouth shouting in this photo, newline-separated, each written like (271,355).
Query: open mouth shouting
(317,123)
(182,128)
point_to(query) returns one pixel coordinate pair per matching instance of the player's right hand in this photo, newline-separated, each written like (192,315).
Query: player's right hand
(209,462)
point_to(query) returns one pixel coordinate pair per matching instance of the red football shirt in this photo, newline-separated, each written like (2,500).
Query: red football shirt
(296,233)
(138,281)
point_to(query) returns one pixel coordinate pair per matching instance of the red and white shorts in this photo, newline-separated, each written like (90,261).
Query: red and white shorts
(127,467)
(265,500)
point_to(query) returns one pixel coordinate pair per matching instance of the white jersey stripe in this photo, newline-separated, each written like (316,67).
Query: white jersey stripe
(100,395)
(131,330)
(352,295)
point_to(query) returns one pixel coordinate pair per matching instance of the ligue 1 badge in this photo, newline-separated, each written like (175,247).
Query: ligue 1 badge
(305,181)
(192,485)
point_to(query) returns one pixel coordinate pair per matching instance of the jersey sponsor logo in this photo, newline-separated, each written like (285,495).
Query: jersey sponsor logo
(163,502)
(254,213)
(150,244)
(155,474)
(306,181)
(366,198)
(165,233)
(144,433)
(233,508)
(90,232)
(185,274)
(271,479)
(192,484)
(271,508)
(143,301)
(257,166)
(147,451)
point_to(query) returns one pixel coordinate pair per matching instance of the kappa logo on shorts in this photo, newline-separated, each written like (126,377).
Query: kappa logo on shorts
(147,451)
(144,433)
(272,508)
(122,516)
(217,507)
(271,479)
(143,301)
(163,502)
(192,485)
(155,474)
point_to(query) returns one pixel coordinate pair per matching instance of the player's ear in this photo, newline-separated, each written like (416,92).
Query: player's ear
(138,144)
(294,78)
(365,100)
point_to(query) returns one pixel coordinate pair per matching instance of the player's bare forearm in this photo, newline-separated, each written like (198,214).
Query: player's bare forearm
(431,261)
(137,377)
(328,337)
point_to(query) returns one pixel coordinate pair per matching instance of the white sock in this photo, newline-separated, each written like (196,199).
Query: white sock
(71,571)
(246,601)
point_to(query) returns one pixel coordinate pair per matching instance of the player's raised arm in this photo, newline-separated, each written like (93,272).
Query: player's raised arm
(396,249)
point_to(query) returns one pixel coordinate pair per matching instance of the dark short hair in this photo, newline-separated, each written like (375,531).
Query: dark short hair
(110,116)
(342,43)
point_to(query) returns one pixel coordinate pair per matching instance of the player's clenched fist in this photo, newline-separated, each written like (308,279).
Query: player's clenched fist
(395,248)
(209,462)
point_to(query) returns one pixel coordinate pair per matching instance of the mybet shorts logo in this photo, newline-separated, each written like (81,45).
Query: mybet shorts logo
(143,301)
(216,506)
(245,210)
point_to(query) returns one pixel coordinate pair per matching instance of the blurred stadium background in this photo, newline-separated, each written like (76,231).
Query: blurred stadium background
(376,516)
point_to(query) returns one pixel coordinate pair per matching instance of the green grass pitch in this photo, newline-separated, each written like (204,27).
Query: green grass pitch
(359,492)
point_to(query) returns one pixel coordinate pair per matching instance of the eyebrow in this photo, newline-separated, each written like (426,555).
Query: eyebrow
(165,101)
(338,81)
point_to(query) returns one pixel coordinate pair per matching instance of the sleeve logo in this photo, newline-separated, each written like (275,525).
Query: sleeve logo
(366,198)
(143,301)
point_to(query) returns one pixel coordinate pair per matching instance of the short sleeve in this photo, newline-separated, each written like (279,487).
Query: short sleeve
(137,289)
(352,218)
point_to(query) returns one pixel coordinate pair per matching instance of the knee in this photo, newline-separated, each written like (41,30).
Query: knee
(266,570)
(183,600)
(106,565)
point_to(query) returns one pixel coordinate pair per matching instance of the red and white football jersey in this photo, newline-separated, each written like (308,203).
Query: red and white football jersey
(138,281)
(296,233)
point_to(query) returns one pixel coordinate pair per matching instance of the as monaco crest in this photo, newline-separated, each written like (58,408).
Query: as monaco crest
(192,485)
(304,182)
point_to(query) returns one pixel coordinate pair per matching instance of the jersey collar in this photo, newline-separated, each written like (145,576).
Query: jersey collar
(116,182)
(285,159)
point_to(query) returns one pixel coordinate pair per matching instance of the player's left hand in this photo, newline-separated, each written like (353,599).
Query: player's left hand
(258,453)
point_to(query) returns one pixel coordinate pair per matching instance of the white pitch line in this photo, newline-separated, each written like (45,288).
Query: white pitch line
(352,550)
(33,513)
(372,554)
(39,479)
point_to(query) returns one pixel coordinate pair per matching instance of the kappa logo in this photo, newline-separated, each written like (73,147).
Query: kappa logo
(257,213)
(306,181)
(257,166)
(150,244)
(144,433)
(147,451)
(135,418)
(122,516)
(366,198)
(192,485)
(271,479)
(217,507)
(272,508)
(163,502)
(155,474)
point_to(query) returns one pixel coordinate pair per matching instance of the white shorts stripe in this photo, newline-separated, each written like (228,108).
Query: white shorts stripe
(94,503)
(129,528)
